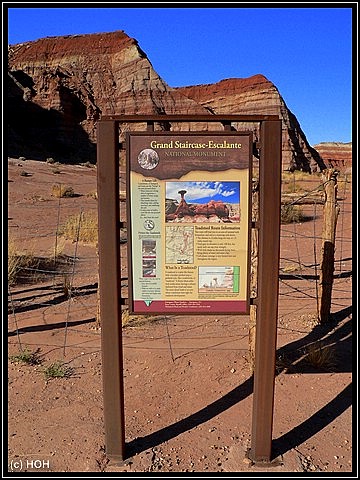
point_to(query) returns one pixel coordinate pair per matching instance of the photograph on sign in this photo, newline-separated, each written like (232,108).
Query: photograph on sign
(189,217)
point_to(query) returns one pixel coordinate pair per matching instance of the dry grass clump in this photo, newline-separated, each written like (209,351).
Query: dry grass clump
(343,181)
(17,260)
(290,182)
(297,174)
(92,194)
(319,356)
(24,266)
(132,320)
(291,214)
(82,227)
(57,251)
(24,173)
(299,182)
(60,191)
(290,267)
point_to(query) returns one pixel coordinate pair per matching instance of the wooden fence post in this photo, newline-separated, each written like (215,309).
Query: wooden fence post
(254,271)
(330,216)
(98,317)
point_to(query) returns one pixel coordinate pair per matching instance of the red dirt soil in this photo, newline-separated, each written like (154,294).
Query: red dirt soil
(188,384)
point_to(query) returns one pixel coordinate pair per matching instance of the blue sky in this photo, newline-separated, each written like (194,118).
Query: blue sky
(203,192)
(305,51)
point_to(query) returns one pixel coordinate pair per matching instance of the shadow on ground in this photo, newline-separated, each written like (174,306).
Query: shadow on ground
(336,334)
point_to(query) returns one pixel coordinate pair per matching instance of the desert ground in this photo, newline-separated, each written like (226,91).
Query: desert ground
(188,382)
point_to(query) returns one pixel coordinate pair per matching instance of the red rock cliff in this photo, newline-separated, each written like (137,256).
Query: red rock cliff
(336,154)
(257,95)
(59,87)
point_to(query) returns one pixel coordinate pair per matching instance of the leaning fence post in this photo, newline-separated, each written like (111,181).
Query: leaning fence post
(330,216)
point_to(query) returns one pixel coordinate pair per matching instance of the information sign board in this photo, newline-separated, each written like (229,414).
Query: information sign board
(189,222)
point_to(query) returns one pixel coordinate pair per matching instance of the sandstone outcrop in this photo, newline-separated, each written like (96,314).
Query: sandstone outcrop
(257,95)
(78,79)
(336,155)
(59,88)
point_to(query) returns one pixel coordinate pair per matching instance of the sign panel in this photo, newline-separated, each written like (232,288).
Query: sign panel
(189,219)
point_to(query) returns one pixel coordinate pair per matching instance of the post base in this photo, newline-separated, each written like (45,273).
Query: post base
(275,462)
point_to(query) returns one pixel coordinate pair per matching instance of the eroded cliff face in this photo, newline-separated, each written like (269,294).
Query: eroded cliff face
(336,155)
(79,79)
(59,87)
(257,95)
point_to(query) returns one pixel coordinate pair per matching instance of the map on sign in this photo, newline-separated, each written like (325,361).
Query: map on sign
(179,247)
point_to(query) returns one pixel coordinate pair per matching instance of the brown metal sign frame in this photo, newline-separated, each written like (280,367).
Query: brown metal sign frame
(110,274)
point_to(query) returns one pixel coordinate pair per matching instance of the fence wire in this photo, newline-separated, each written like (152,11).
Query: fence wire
(56,287)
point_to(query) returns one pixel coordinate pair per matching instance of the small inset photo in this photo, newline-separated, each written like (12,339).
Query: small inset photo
(149,268)
(149,248)
(148,159)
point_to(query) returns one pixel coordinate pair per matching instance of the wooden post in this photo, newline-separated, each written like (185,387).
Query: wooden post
(267,291)
(110,289)
(98,317)
(254,272)
(330,216)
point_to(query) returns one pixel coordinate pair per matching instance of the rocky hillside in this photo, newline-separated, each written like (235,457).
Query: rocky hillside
(59,87)
(336,154)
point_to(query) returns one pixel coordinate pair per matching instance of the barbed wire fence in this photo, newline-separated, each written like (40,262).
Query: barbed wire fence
(59,287)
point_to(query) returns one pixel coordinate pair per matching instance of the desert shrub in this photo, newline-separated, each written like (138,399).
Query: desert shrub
(24,173)
(56,170)
(60,191)
(22,159)
(291,213)
(82,227)
(26,356)
(58,370)
(282,363)
(50,160)
(88,164)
